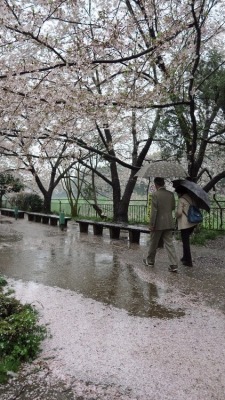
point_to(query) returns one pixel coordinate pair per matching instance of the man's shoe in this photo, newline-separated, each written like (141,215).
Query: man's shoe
(173,268)
(147,263)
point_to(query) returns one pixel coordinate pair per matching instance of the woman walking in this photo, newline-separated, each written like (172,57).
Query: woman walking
(186,228)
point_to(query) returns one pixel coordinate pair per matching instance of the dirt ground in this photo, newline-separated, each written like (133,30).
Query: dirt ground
(97,351)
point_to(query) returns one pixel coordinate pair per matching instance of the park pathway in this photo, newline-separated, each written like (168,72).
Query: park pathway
(117,330)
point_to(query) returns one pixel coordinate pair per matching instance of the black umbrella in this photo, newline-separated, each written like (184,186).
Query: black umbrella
(195,191)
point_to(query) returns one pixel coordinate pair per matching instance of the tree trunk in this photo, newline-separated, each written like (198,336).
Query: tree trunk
(74,210)
(121,214)
(122,206)
(47,203)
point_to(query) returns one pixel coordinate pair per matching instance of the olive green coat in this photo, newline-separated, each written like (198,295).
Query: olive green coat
(162,206)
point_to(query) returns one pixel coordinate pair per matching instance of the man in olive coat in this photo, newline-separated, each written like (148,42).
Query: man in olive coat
(162,224)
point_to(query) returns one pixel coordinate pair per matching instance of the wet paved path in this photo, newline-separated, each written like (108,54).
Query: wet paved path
(115,322)
(106,270)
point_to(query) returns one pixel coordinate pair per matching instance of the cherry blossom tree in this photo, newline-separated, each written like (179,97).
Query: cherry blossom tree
(94,65)
(47,164)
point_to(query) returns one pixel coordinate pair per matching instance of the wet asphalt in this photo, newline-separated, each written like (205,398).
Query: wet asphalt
(109,271)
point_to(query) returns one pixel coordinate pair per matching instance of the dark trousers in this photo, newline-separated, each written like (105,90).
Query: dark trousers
(185,237)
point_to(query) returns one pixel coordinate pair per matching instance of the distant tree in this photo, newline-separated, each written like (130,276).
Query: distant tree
(80,182)
(197,133)
(48,163)
(72,184)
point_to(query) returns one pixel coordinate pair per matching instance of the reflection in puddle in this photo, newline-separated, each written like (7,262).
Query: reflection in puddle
(70,264)
(119,286)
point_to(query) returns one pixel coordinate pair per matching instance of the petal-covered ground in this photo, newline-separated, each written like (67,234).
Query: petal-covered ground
(102,349)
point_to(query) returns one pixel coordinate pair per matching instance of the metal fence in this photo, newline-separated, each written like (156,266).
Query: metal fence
(215,220)
(137,213)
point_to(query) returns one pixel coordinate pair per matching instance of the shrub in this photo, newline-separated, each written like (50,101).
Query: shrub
(20,334)
(200,236)
(28,202)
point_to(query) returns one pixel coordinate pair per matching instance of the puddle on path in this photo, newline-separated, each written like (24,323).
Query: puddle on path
(65,261)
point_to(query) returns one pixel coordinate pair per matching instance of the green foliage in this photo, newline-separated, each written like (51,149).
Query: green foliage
(20,335)
(3,282)
(200,236)
(28,202)
(9,183)
(174,132)
(169,127)
(213,88)
(88,192)
(96,219)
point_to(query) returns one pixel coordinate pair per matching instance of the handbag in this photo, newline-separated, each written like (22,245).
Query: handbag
(194,215)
